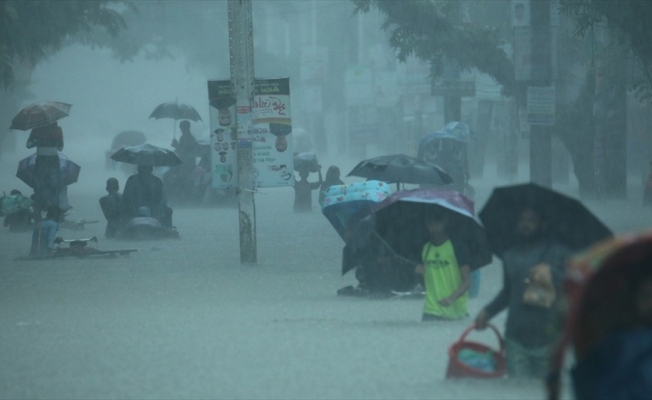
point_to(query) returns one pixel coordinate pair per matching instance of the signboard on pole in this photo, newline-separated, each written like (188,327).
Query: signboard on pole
(224,134)
(541,105)
(271,139)
(272,128)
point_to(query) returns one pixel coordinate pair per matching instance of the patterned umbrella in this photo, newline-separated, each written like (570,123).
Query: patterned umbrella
(68,170)
(400,222)
(40,114)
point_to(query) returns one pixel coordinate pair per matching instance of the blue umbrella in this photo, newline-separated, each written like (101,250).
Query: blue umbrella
(346,205)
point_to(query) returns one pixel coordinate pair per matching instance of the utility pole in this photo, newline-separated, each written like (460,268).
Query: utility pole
(241,51)
(542,76)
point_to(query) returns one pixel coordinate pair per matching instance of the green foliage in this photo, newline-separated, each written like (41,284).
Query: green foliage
(631,20)
(434,30)
(30,30)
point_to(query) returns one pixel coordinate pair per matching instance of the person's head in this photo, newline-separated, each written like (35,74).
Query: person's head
(224,116)
(303,174)
(15,192)
(184,126)
(436,222)
(530,225)
(333,174)
(53,213)
(145,169)
(281,143)
(112,185)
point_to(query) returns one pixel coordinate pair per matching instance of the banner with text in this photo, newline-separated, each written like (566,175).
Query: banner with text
(270,134)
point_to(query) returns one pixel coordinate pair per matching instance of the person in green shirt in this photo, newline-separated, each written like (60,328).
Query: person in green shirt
(446,271)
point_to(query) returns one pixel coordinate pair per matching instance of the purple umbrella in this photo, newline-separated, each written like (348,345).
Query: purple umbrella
(68,170)
(399,223)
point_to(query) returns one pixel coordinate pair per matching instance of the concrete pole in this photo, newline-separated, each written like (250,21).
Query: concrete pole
(540,135)
(241,50)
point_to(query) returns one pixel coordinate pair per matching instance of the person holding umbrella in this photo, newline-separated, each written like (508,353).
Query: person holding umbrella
(446,271)
(48,140)
(534,230)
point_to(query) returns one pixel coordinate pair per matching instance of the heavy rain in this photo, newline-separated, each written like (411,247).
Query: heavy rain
(326,199)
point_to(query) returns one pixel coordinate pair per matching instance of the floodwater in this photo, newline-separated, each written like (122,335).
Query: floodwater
(183,319)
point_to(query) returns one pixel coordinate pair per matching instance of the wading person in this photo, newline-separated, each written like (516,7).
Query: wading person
(446,271)
(48,140)
(533,269)
(112,208)
(303,191)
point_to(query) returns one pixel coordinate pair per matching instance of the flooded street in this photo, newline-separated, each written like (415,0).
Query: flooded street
(183,319)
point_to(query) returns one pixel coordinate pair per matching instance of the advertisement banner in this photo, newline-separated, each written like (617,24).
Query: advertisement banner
(541,105)
(271,134)
(271,141)
(222,111)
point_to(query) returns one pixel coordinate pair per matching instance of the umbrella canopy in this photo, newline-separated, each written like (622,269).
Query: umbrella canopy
(598,286)
(175,111)
(453,130)
(569,222)
(68,170)
(343,205)
(14,203)
(404,212)
(399,168)
(399,223)
(127,138)
(40,114)
(147,154)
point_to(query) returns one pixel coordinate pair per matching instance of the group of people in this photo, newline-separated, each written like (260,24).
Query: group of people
(303,189)
(141,210)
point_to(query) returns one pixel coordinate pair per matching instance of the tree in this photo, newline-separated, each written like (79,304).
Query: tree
(32,30)
(435,30)
(630,20)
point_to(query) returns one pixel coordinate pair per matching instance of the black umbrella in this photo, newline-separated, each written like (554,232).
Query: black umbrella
(175,111)
(147,154)
(569,221)
(399,168)
(40,114)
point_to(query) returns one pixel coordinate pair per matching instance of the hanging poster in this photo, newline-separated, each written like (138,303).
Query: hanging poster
(270,134)
(224,161)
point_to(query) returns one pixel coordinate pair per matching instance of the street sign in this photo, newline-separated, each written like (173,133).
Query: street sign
(541,105)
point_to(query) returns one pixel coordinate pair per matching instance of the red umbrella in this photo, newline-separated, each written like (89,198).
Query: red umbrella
(40,114)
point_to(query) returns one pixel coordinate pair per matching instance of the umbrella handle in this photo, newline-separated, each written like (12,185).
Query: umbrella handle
(392,250)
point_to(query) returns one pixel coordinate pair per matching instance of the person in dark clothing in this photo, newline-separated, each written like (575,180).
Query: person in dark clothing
(332,179)
(303,191)
(144,189)
(20,221)
(113,208)
(531,328)
(187,149)
(48,140)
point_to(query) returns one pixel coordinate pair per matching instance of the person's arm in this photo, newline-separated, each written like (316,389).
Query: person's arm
(498,304)
(465,271)
(31,140)
(317,185)
(58,134)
